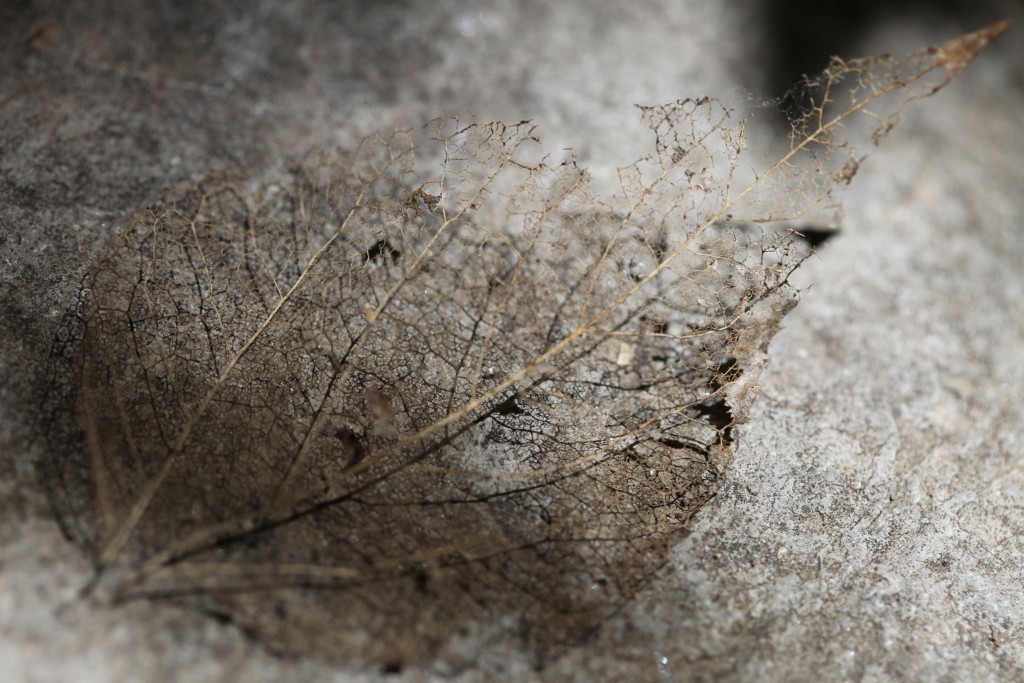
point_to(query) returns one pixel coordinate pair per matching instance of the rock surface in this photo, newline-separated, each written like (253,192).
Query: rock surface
(871,524)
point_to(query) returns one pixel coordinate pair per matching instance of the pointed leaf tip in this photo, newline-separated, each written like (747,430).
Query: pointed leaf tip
(957,53)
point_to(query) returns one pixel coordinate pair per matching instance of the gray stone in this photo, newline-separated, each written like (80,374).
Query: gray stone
(871,524)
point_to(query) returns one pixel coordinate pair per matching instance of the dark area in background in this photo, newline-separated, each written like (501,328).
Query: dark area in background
(802,35)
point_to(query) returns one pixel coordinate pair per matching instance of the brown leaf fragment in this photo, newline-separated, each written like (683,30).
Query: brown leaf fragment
(848,171)
(378,405)
(957,53)
(419,199)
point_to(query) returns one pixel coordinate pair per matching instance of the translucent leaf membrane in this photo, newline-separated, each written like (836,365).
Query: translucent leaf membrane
(386,399)
(834,113)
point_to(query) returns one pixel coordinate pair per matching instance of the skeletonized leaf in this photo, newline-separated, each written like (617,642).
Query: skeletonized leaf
(384,400)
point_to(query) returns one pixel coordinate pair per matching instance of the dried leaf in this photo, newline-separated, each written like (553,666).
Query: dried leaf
(384,401)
